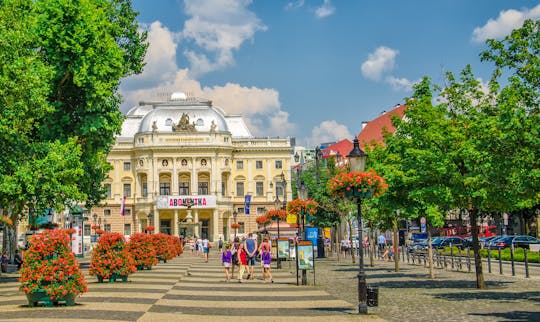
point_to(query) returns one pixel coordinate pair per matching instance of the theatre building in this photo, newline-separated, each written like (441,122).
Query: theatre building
(186,168)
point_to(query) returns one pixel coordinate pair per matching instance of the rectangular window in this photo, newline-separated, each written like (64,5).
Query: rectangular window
(239,165)
(106,212)
(108,190)
(203,188)
(183,188)
(258,164)
(279,164)
(87,230)
(145,189)
(261,210)
(279,188)
(127,166)
(127,229)
(240,189)
(241,211)
(242,228)
(223,188)
(259,188)
(127,189)
(127,212)
(108,228)
(164,188)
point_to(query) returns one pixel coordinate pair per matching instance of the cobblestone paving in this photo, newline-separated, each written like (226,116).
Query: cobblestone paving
(410,295)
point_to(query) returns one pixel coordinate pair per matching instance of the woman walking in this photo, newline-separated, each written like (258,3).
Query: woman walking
(226,259)
(266,258)
(242,261)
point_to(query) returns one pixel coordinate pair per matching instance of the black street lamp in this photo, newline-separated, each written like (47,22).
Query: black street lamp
(357,162)
(277,203)
(318,158)
(303,195)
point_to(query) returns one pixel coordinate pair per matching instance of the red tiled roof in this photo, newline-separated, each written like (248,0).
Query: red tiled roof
(343,147)
(374,130)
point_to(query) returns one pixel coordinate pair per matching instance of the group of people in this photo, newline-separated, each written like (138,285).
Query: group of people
(243,254)
(17,259)
(200,247)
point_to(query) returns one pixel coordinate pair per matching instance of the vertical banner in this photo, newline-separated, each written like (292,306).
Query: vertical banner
(76,240)
(123,207)
(311,235)
(247,202)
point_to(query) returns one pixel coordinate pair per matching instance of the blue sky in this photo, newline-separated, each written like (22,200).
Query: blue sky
(313,69)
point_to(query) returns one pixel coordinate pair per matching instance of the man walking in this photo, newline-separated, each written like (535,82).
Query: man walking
(381,244)
(250,245)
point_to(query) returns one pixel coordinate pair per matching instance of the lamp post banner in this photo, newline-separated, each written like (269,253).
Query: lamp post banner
(247,203)
(76,240)
(311,235)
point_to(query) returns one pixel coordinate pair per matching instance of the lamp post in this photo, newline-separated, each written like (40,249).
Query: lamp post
(318,157)
(357,162)
(150,219)
(234,214)
(277,203)
(303,195)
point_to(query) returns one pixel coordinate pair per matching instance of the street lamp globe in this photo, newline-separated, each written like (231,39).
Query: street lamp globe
(357,157)
(277,203)
(302,192)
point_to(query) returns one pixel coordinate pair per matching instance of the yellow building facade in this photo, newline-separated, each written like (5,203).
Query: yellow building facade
(185,167)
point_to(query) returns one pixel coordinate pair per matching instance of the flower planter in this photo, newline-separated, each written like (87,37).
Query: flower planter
(355,193)
(113,278)
(40,297)
(143,267)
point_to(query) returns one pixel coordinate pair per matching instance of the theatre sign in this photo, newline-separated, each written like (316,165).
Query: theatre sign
(177,202)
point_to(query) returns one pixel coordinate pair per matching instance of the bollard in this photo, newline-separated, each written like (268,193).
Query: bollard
(372,295)
(469,259)
(500,262)
(526,262)
(445,263)
(452,256)
(489,260)
(512,260)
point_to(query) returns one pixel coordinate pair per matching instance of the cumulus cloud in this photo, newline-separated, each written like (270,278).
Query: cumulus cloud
(504,24)
(217,27)
(260,107)
(325,10)
(294,5)
(329,131)
(400,84)
(380,61)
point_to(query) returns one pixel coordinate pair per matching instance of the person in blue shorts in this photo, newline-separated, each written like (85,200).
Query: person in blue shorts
(250,245)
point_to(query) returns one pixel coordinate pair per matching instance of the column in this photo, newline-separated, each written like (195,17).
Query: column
(156,220)
(197,227)
(194,177)
(215,224)
(175,223)
(174,179)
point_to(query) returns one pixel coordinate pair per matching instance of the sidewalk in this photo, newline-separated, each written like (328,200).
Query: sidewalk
(188,289)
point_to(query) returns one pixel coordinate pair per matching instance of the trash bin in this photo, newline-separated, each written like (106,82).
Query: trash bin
(320,248)
(372,295)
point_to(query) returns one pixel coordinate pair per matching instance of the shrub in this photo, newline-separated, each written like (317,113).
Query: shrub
(111,256)
(142,248)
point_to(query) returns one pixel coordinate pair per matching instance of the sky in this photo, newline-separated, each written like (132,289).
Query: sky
(313,69)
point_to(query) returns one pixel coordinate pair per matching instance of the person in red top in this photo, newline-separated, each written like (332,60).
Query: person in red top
(242,261)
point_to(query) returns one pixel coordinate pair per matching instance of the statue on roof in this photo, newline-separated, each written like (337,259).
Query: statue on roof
(183,125)
(213,126)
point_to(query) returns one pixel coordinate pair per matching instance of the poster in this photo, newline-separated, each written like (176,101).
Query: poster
(305,256)
(283,248)
(76,240)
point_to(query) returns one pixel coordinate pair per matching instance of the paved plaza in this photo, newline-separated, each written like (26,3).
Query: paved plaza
(188,289)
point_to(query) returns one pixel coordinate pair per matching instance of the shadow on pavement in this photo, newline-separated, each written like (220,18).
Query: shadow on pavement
(430,284)
(513,316)
(498,296)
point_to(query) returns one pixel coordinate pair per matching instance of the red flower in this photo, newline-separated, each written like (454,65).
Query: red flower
(365,182)
(276,214)
(261,220)
(150,228)
(111,256)
(143,250)
(309,206)
(236,226)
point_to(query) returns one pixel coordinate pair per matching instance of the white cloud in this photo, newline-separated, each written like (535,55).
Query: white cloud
(260,107)
(325,10)
(329,131)
(217,27)
(400,84)
(504,24)
(294,5)
(379,62)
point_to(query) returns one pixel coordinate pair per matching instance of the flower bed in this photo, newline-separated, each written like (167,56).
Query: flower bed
(165,246)
(142,248)
(111,259)
(50,270)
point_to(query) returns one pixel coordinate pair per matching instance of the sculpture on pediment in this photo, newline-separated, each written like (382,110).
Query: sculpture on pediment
(183,125)
(213,126)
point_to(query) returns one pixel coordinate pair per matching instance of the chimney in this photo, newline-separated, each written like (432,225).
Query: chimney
(364,123)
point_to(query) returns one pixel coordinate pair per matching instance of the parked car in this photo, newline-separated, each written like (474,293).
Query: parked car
(522,241)
(454,241)
(420,244)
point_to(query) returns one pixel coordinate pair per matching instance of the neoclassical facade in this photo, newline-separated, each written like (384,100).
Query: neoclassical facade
(185,167)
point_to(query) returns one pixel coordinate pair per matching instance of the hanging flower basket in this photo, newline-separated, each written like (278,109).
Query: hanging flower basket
(276,214)
(50,274)
(309,206)
(262,220)
(236,226)
(150,228)
(357,184)
(95,227)
(70,231)
(5,220)
(111,259)
(100,231)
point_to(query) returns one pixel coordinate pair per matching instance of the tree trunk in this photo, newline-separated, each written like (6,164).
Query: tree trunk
(371,240)
(473,216)
(430,252)
(395,245)
(353,257)
(336,243)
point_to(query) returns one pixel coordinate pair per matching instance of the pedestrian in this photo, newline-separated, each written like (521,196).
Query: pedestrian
(381,244)
(234,251)
(18,259)
(242,261)
(226,259)
(206,248)
(191,246)
(250,245)
(265,249)
(220,245)
(199,246)
(344,247)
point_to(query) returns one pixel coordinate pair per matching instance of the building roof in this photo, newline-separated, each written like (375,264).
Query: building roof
(342,147)
(374,130)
